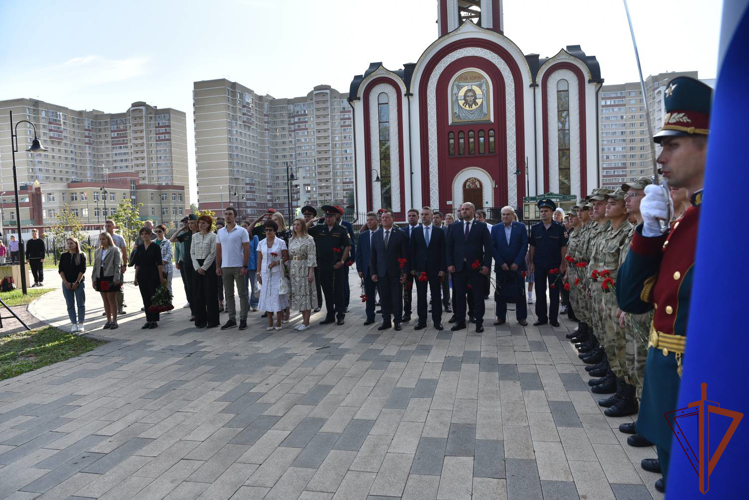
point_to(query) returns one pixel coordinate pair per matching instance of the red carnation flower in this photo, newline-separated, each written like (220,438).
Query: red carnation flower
(363,298)
(577,281)
(336,250)
(350,263)
(524,274)
(608,284)
(605,273)
(567,286)
(554,271)
(476,264)
(402,262)
(594,275)
(553,285)
(104,285)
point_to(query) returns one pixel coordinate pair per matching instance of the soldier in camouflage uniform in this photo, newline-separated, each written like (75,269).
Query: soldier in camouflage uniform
(636,326)
(575,273)
(575,233)
(593,352)
(624,401)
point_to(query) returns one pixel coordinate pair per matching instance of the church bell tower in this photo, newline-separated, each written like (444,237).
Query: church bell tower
(485,13)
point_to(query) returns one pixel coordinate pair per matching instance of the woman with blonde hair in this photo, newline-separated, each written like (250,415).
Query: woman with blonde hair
(303,261)
(107,277)
(72,269)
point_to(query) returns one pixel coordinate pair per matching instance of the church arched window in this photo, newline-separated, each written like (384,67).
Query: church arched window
(461,143)
(492,148)
(563,135)
(451,143)
(383,117)
(471,142)
(482,146)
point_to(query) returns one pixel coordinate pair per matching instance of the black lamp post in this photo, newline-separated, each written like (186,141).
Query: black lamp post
(36,147)
(104,197)
(289,179)
(377,174)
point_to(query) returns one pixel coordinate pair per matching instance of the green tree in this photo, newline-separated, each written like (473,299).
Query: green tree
(193,208)
(68,224)
(127,218)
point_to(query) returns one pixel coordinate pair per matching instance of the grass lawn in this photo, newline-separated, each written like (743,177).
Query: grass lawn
(17,298)
(26,351)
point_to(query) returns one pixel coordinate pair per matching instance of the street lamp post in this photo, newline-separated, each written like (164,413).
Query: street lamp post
(289,179)
(36,147)
(104,197)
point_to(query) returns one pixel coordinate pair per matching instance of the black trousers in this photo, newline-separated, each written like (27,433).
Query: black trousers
(408,295)
(346,289)
(319,288)
(37,270)
(370,289)
(391,298)
(188,280)
(461,292)
(205,299)
(422,303)
(521,310)
(468,299)
(148,282)
(446,291)
(542,276)
(14,256)
(333,283)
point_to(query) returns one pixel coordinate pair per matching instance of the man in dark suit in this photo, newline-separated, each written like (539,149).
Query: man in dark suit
(469,257)
(388,245)
(509,246)
(363,256)
(413,224)
(437,218)
(427,256)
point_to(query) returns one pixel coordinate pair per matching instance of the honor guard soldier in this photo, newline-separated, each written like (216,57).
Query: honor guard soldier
(548,249)
(576,275)
(659,269)
(576,233)
(310,213)
(333,246)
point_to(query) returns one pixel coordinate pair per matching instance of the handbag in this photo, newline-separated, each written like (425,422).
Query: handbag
(256,291)
(284,287)
(509,286)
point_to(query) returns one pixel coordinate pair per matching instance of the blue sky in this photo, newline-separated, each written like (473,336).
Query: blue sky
(105,55)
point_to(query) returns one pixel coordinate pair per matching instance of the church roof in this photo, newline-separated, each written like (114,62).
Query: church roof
(535,62)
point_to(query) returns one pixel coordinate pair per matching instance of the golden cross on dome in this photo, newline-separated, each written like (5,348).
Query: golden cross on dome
(670,89)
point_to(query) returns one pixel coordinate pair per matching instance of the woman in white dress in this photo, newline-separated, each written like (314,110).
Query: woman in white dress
(303,262)
(271,256)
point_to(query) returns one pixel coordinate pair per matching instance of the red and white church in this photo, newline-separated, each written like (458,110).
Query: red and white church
(475,120)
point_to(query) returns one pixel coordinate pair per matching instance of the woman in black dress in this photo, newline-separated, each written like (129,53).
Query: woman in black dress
(148,274)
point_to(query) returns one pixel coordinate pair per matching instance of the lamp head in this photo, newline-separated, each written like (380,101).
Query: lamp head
(292,177)
(36,146)
(377,179)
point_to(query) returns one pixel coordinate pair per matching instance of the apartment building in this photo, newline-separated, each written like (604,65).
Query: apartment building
(88,146)
(624,137)
(249,147)
(91,201)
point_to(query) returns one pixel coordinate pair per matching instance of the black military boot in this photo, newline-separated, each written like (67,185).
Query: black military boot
(588,345)
(600,372)
(595,356)
(579,336)
(598,381)
(602,364)
(627,404)
(637,441)
(610,386)
(581,329)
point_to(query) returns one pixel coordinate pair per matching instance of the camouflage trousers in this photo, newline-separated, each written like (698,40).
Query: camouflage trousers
(574,292)
(614,336)
(638,327)
(595,307)
(583,301)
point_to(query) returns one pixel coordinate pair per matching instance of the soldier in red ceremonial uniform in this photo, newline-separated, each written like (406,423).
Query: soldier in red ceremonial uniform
(659,269)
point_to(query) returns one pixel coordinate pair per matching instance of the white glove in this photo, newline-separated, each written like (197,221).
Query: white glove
(654,207)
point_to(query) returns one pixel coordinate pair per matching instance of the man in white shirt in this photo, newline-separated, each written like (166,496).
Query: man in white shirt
(232,257)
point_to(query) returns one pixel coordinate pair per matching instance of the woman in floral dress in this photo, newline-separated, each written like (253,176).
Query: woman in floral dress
(285,234)
(271,255)
(303,262)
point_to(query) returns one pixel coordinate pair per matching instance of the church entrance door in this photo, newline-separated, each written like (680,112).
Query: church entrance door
(473,192)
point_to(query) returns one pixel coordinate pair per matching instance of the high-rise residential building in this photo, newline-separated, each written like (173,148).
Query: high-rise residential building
(249,148)
(90,145)
(624,137)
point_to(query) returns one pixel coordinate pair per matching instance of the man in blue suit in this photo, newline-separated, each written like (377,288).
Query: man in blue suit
(509,246)
(469,257)
(363,256)
(427,256)
(389,244)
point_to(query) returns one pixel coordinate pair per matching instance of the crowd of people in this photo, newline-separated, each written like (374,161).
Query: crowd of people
(607,264)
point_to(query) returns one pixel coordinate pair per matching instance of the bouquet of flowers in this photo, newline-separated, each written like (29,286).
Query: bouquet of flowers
(555,272)
(161,300)
(476,264)
(107,286)
(363,295)
(423,277)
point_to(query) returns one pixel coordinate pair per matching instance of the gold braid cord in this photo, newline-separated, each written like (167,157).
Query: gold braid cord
(647,289)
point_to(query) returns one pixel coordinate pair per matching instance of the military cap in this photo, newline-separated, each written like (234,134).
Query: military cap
(599,194)
(330,210)
(617,195)
(638,184)
(340,209)
(309,209)
(192,217)
(573,211)
(687,102)
(185,219)
(547,203)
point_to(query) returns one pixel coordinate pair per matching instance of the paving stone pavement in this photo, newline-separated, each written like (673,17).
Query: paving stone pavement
(336,412)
